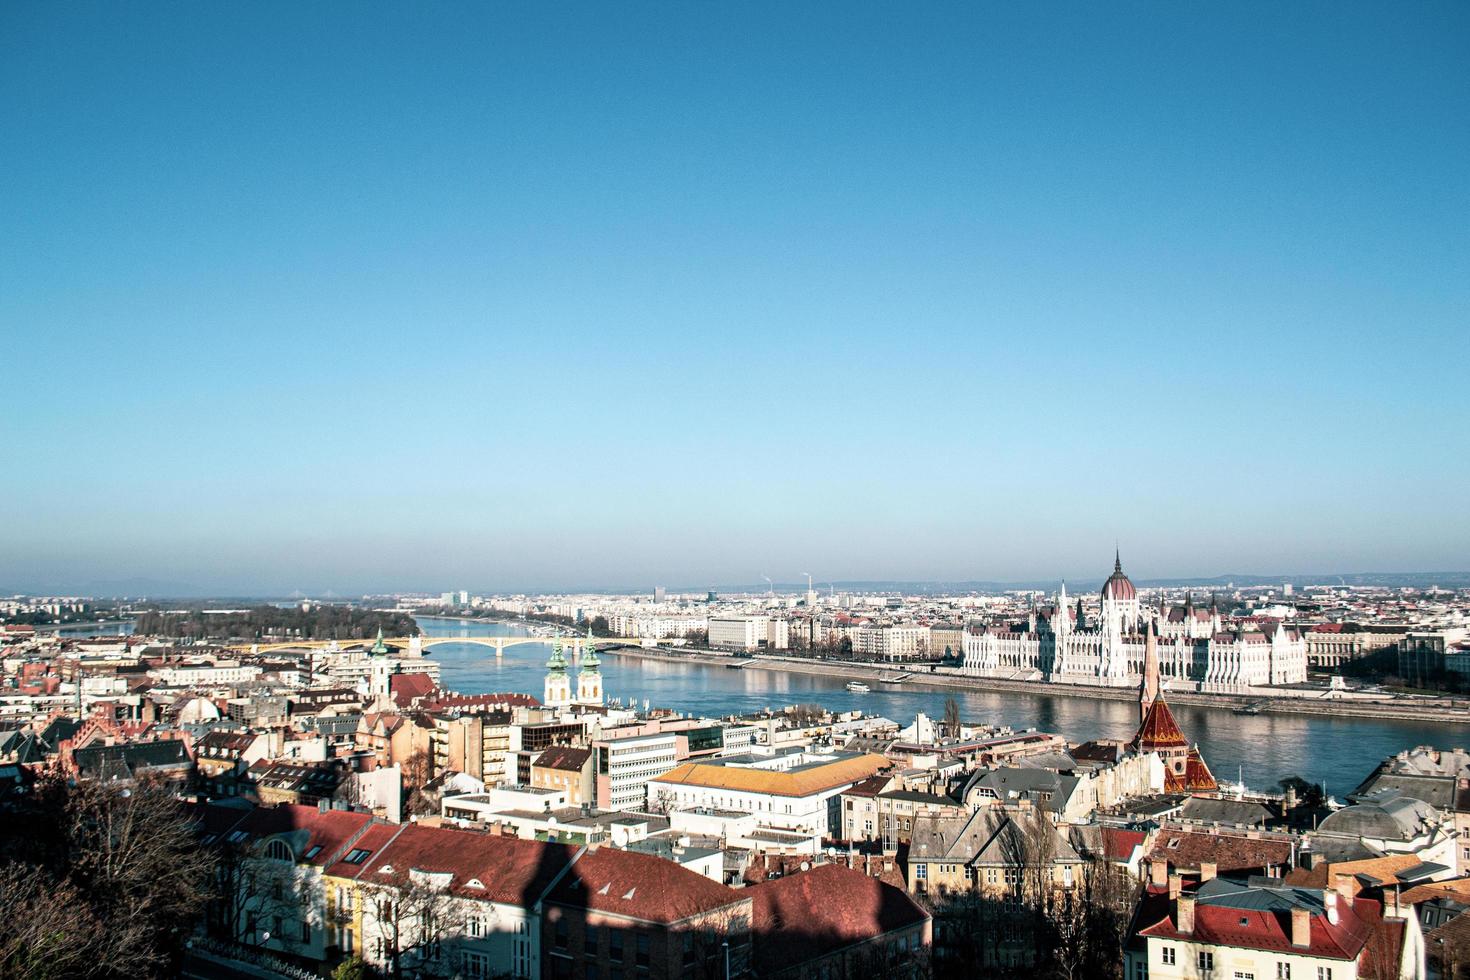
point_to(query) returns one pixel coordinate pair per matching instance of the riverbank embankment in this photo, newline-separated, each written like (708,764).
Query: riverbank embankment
(1400,710)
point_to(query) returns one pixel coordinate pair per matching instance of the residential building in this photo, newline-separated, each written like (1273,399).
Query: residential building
(1264,928)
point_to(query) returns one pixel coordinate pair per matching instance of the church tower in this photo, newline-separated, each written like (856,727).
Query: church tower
(558,690)
(589,681)
(1148,691)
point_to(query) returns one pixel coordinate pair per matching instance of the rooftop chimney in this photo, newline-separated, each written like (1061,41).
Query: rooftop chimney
(1185,913)
(1206,871)
(1176,885)
(1158,873)
(1344,885)
(1301,927)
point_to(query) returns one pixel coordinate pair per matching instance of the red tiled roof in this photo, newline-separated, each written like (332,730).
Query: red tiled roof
(511,871)
(1118,844)
(374,839)
(566,758)
(330,829)
(807,915)
(1197,777)
(481,700)
(407,688)
(1228,852)
(639,886)
(1257,929)
(1159,729)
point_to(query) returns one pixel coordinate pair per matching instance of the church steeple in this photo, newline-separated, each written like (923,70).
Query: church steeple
(558,687)
(589,681)
(379,647)
(1148,692)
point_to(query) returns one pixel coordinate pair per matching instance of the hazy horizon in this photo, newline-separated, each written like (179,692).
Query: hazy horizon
(360,296)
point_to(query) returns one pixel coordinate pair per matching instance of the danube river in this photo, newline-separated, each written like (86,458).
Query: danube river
(1260,748)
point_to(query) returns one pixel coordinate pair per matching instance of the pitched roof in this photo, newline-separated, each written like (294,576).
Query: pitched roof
(407,688)
(807,915)
(1385,869)
(1228,852)
(1256,914)
(564,757)
(639,886)
(307,827)
(122,761)
(372,840)
(1197,777)
(1159,729)
(499,869)
(804,781)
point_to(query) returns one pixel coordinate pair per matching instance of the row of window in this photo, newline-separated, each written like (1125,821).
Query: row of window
(1205,963)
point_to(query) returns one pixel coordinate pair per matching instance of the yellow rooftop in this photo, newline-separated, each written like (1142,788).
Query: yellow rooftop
(804,781)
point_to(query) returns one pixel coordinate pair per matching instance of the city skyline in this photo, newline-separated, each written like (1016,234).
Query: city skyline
(535,299)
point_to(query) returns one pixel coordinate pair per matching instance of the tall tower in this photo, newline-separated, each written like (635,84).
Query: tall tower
(558,690)
(1061,616)
(589,680)
(1148,691)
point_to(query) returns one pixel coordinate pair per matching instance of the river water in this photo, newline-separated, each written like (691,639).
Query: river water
(1260,748)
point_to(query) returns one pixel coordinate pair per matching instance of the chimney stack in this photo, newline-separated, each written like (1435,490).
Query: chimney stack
(1301,927)
(1206,871)
(1185,908)
(1176,885)
(1158,873)
(1344,885)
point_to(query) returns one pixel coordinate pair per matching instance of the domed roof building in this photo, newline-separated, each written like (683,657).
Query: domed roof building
(1120,598)
(1119,587)
(1197,652)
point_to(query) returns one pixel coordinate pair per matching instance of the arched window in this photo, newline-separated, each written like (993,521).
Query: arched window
(279,850)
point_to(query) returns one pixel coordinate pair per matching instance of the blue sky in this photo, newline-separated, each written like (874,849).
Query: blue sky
(368,296)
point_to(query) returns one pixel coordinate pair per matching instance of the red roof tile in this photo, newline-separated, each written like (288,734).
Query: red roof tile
(639,886)
(330,830)
(511,871)
(810,914)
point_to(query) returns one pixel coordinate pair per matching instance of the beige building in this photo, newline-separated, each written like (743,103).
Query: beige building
(568,769)
(1263,928)
(996,852)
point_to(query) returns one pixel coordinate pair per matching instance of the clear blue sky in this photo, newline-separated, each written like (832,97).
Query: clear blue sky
(363,296)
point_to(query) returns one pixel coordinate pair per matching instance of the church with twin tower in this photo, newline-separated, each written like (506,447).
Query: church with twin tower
(557,691)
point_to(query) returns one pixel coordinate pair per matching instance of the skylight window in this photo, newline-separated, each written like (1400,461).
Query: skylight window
(313,851)
(356,856)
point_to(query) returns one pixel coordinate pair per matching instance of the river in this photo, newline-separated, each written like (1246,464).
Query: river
(1262,749)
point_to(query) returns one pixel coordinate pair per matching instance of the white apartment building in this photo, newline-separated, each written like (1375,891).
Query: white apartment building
(890,642)
(739,632)
(206,675)
(625,765)
(655,627)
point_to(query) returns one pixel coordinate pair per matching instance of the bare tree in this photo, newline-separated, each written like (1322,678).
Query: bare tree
(127,879)
(410,916)
(255,895)
(952,717)
(418,771)
(50,932)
